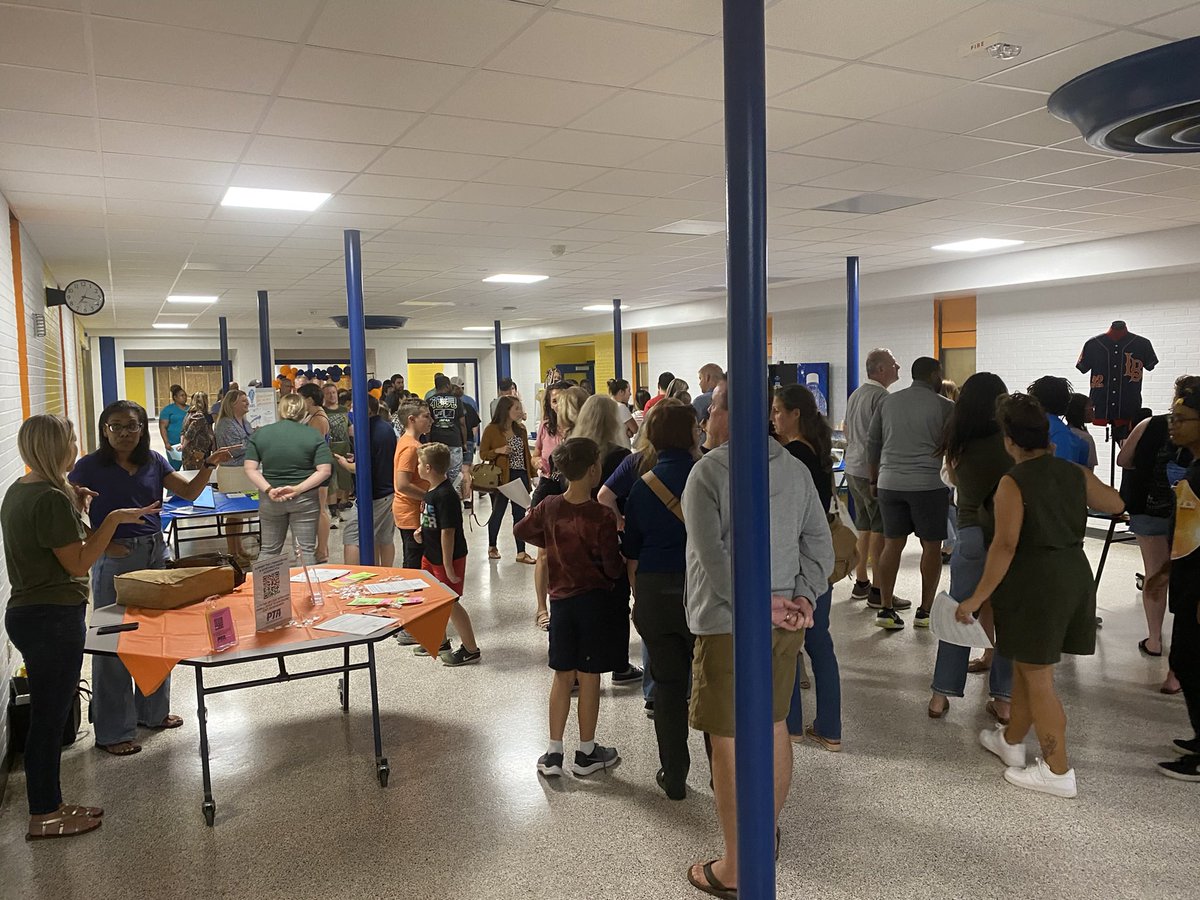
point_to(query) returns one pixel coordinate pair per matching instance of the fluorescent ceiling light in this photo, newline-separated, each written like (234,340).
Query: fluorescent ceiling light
(977,244)
(505,278)
(603,307)
(191,298)
(170,325)
(692,226)
(263,198)
(479,328)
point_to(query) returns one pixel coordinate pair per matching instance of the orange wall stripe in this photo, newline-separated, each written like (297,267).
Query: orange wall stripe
(14,233)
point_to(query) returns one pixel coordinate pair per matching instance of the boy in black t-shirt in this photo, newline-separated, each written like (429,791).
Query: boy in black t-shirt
(444,547)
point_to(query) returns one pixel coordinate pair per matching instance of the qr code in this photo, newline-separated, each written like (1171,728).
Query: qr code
(271,583)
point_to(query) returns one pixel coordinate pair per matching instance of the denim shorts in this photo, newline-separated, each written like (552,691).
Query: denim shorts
(1149,526)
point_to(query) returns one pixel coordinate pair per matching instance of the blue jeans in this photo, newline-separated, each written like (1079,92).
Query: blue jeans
(950,670)
(50,639)
(116,710)
(818,644)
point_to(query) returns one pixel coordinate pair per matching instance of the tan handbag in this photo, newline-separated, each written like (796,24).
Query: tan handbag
(485,476)
(845,548)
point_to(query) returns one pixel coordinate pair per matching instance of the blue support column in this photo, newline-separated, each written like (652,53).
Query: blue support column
(746,191)
(226,365)
(851,325)
(108,370)
(618,360)
(264,340)
(501,374)
(359,412)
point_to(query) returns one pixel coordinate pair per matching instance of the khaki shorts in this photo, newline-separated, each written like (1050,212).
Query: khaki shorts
(867,516)
(712,707)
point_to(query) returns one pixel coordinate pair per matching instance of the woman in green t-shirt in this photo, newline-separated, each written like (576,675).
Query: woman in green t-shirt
(49,554)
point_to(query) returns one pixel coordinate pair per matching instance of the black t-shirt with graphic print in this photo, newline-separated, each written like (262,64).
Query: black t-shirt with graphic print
(441,509)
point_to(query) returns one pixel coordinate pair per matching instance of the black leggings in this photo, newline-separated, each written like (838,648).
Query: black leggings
(499,502)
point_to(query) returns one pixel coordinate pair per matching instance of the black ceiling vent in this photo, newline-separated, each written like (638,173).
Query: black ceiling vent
(374,323)
(1145,103)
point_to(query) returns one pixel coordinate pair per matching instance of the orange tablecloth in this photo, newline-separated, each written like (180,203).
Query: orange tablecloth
(164,637)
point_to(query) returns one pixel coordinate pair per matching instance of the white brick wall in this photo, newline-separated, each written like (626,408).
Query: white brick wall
(10,462)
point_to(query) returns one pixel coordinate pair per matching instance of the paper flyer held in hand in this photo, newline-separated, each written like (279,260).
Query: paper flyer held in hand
(516,492)
(947,628)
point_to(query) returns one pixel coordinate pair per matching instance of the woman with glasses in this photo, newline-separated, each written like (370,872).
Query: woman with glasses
(126,474)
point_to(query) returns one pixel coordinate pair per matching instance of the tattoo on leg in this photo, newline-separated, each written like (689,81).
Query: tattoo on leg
(1049,745)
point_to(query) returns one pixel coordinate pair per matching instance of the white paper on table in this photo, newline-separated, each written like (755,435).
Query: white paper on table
(350,623)
(947,628)
(516,492)
(399,586)
(320,575)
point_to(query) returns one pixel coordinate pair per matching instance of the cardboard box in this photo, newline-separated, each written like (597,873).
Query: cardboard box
(172,588)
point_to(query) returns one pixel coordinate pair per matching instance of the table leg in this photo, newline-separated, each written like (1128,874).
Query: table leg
(209,808)
(381,763)
(1108,539)
(345,685)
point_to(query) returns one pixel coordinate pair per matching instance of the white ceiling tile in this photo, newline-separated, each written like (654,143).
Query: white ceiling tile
(47,183)
(645,114)
(46,90)
(290,179)
(462,33)
(171,140)
(506,97)
(269,150)
(169,104)
(461,135)
(282,20)
(583,201)
(595,51)
(947,184)
(710,189)
(163,208)
(1033,163)
(851,28)
(868,141)
(870,177)
(701,16)
(1116,12)
(1076,199)
(590,148)
(641,184)
(1054,70)
(42,37)
(863,92)
(48,130)
(790,168)
(127,49)
(950,153)
(787,129)
(965,109)
(1161,182)
(939,49)
(804,197)
(401,187)
(131,189)
(415,163)
(25,205)
(364,80)
(1038,128)
(1105,173)
(156,168)
(1015,192)
(687,158)
(335,121)
(500,194)
(26,158)
(538,173)
(1183,23)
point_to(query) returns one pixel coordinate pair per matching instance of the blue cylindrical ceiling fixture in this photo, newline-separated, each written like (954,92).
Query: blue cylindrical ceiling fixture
(746,192)
(264,340)
(500,374)
(851,324)
(618,356)
(356,327)
(226,365)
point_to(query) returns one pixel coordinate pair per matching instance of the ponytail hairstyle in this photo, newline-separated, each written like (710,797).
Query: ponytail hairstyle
(291,406)
(616,385)
(44,442)
(813,426)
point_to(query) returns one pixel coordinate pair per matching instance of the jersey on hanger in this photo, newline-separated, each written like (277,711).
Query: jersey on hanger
(1116,366)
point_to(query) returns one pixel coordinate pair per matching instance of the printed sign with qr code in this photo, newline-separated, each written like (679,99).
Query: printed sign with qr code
(272,593)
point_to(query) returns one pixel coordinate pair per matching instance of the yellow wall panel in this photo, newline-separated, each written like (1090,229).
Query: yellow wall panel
(135,387)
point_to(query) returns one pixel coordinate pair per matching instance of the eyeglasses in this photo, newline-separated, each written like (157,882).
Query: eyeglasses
(124,429)
(1176,419)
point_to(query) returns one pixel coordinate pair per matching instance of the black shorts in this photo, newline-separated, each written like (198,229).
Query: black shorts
(923,513)
(590,632)
(410,549)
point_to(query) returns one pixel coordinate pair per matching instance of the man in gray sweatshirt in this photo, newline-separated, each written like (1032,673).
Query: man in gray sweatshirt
(904,451)
(801,562)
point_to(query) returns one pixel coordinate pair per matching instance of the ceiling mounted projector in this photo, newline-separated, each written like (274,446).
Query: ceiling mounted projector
(1145,103)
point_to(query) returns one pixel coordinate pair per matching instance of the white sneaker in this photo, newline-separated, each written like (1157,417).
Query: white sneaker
(994,742)
(1038,777)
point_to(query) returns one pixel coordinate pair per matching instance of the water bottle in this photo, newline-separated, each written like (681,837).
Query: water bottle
(813,382)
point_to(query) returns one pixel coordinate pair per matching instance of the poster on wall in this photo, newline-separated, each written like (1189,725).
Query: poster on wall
(815,376)
(262,406)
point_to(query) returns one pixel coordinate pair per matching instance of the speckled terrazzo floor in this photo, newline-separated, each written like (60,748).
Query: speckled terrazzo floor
(912,808)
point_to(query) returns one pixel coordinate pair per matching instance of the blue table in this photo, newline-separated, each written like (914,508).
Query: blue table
(180,516)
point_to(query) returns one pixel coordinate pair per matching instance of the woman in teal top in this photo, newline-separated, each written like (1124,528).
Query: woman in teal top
(288,462)
(1041,588)
(48,554)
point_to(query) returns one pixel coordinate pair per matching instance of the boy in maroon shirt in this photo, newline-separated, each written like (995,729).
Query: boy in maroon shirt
(587,620)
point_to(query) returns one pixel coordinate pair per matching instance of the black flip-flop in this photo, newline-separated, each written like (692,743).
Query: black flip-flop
(710,885)
(1142,646)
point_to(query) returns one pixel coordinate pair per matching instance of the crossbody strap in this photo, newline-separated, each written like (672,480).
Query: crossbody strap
(670,501)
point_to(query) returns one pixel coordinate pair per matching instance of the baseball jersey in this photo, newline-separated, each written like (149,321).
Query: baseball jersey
(1116,366)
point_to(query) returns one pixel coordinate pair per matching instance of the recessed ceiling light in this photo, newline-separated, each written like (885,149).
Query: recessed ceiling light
(692,226)
(264,198)
(506,278)
(977,244)
(603,307)
(479,328)
(191,298)
(170,325)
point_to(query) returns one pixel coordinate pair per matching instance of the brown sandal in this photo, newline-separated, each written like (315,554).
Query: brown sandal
(493,553)
(994,712)
(526,558)
(710,885)
(933,714)
(92,812)
(124,748)
(978,665)
(60,825)
(168,722)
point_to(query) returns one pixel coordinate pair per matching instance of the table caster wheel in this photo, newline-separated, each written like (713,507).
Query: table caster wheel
(383,772)
(1140,580)
(210,812)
